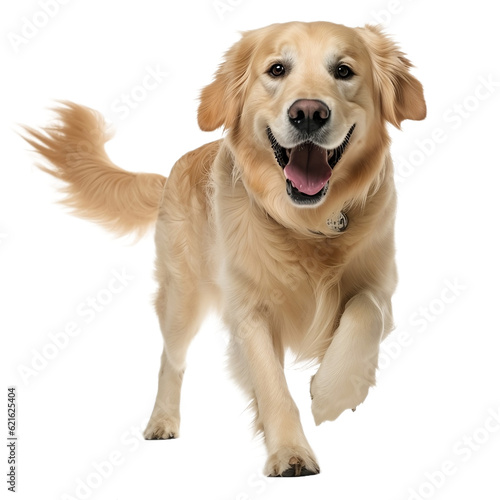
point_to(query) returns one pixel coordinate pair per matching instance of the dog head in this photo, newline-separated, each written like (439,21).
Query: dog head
(306,105)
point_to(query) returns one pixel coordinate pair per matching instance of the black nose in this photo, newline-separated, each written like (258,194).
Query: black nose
(308,115)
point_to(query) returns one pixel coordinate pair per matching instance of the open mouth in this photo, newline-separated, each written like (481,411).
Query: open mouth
(307,167)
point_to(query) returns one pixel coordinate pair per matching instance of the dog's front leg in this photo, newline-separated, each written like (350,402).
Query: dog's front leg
(257,363)
(348,368)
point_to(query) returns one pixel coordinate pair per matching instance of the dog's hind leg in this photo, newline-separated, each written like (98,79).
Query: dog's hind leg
(186,281)
(180,314)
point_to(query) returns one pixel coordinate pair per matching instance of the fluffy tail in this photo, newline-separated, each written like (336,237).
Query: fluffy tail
(96,189)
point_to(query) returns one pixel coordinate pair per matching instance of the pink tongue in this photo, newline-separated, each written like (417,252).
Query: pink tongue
(308,168)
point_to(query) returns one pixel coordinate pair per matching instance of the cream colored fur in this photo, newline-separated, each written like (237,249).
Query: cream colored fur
(228,236)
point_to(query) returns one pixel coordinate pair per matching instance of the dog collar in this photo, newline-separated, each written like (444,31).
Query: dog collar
(338,222)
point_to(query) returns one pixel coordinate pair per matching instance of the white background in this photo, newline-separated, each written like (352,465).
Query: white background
(438,385)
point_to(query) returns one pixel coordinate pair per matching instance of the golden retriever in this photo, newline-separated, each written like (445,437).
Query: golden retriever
(286,225)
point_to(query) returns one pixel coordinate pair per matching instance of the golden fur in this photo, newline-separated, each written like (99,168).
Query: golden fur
(228,236)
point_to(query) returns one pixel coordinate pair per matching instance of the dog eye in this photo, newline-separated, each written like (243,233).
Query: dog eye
(343,72)
(277,70)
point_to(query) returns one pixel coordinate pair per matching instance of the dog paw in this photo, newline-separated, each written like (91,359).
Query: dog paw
(330,407)
(162,428)
(331,397)
(291,462)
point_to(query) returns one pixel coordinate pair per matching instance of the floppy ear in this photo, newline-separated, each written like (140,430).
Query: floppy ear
(401,94)
(221,102)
